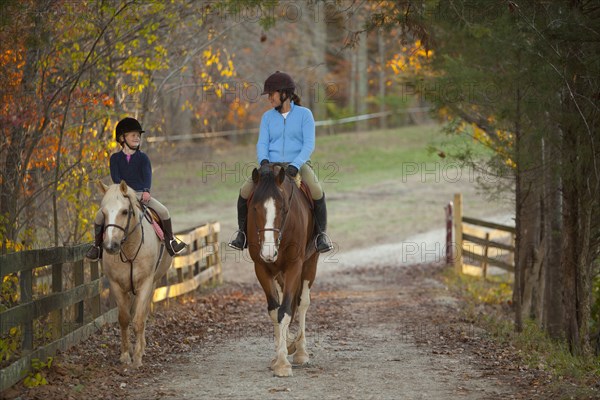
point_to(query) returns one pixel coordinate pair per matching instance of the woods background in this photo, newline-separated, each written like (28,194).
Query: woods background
(520,77)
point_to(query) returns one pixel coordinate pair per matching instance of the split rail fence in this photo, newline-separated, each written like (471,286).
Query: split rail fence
(60,299)
(478,243)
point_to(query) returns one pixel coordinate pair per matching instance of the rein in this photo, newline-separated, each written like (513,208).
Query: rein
(127,232)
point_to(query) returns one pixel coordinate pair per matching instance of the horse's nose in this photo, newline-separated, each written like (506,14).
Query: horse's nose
(269,253)
(112,247)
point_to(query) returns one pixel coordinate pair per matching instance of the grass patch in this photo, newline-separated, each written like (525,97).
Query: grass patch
(344,161)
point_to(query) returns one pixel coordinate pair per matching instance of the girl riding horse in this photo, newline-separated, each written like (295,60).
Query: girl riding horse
(133,166)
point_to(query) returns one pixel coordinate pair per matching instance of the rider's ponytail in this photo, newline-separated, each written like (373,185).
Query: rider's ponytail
(296,99)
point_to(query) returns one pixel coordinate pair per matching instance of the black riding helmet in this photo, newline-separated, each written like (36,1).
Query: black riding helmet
(127,125)
(279,81)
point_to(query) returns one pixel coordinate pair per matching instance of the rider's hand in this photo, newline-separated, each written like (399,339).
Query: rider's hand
(146,197)
(291,171)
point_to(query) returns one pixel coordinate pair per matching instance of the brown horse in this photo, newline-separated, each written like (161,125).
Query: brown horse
(280,242)
(134,260)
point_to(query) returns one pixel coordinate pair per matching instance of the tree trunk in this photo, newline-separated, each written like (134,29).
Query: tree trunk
(579,204)
(553,308)
(382,80)
(529,246)
(362,76)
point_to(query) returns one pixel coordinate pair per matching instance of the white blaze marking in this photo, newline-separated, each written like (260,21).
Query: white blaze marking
(111,218)
(268,247)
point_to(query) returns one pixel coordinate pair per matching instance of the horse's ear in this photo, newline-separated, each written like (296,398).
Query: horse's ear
(281,176)
(255,176)
(103,188)
(124,188)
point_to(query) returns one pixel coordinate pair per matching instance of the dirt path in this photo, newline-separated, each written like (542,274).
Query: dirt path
(376,330)
(373,333)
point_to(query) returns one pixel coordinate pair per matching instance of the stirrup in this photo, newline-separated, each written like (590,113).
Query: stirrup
(178,247)
(98,254)
(327,242)
(234,245)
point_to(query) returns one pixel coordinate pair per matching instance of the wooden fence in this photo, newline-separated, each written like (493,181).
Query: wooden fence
(482,242)
(48,317)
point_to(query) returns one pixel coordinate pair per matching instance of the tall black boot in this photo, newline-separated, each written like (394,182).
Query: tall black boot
(95,252)
(322,242)
(172,245)
(240,242)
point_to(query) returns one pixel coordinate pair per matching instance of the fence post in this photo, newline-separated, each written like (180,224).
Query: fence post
(26,286)
(458,232)
(56,316)
(448,209)
(95,301)
(485,254)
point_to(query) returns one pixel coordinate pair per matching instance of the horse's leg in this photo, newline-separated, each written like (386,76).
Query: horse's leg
(301,356)
(291,345)
(124,304)
(141,309)
(276,292)
(309,272)
(271,289)
(282,366)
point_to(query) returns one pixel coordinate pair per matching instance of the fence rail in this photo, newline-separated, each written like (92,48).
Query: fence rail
(77,305)
(324,123)
(475,244)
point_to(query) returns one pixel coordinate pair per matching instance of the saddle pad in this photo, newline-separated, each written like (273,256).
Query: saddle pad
(306,190)
(154,219)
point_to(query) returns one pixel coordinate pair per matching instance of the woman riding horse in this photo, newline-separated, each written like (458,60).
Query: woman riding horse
(287,135)
(280,242)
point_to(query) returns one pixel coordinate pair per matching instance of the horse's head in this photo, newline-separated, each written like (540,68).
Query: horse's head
(269,206)
(119,206)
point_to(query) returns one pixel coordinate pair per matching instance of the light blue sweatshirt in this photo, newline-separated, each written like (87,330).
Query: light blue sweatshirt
(290,139)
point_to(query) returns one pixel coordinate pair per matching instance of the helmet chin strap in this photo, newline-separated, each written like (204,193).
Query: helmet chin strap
(131,148)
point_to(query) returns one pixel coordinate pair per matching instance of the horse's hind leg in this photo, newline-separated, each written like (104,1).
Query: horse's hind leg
(301,356)
(124,304)
(141,309)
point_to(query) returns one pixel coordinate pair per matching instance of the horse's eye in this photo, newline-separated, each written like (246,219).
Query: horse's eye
(125,212)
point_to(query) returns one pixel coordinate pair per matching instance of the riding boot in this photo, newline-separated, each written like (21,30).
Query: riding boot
(95,252)
(240,242)
(322,242)
(172,245)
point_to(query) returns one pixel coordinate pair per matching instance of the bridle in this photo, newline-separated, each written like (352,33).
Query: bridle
(125,230)
(126,233)
(280,230)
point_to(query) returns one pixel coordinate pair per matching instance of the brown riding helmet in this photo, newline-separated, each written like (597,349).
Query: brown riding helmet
(277,82)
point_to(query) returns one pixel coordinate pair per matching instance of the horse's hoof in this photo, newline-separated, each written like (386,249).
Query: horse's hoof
(301,358)
(125,358)
(282,371)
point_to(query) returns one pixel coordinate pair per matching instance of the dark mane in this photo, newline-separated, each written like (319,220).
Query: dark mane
(267,185)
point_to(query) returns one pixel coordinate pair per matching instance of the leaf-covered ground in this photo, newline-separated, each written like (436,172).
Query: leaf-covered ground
(404,313)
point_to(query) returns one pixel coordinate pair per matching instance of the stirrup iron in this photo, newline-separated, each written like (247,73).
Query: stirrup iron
(244,245)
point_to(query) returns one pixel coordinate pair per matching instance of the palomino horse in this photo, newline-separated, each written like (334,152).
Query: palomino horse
(280,233)
(134,259)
